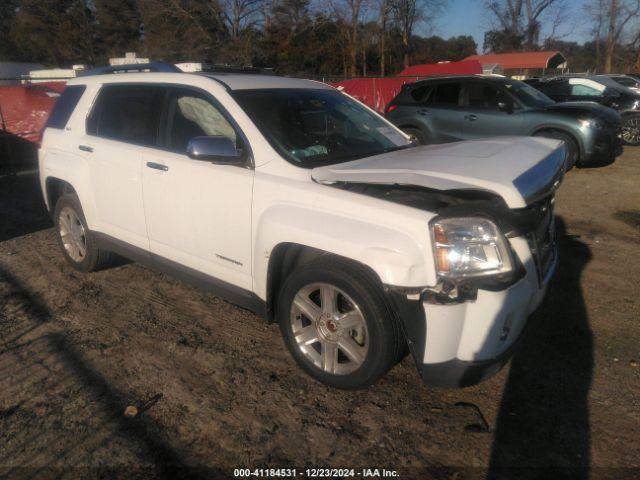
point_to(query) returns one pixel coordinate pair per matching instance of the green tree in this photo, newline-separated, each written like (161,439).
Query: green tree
(118,26)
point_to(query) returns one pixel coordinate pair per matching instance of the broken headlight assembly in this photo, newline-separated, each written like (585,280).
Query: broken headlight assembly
(466,248)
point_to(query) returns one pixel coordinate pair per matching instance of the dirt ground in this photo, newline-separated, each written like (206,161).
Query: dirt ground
(215,389)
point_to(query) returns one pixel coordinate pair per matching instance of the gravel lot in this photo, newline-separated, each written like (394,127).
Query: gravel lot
(215,389)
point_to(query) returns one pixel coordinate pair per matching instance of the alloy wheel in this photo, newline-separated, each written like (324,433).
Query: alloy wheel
(329,328)
(73,234)
(631,130)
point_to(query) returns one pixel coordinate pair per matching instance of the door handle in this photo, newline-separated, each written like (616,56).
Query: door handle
(157,166)
(85,148)
(471,117)
(423,111)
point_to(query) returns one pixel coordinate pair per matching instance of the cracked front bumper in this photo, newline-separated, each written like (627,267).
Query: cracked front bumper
(461,344)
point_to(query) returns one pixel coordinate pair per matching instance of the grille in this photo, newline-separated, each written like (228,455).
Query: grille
(542,240)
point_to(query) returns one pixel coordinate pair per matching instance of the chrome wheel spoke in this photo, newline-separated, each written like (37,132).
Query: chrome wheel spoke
(306,306)
(329,299)
(350,320)
(352,350)
(329,357)
(307,336)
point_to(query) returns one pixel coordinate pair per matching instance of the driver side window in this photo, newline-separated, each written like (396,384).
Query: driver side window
(190,115)
(483,95)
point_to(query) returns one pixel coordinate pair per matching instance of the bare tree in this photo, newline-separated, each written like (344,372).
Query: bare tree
(523,18)
(618,14)
(408,13)
(351,11)
(384,12)
(240,14)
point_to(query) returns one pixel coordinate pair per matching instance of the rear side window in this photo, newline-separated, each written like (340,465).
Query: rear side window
(128,113)
(421,94)
(447,94)
(64,107)
(556,88)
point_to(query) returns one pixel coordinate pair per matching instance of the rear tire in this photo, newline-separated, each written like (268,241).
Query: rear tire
(76,241)
(573,152)
(416,135)
(337,325)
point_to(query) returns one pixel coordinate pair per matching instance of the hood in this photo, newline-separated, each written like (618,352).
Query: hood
(521,170)
(584,109)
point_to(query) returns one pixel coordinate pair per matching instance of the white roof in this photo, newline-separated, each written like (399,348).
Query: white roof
(233,81)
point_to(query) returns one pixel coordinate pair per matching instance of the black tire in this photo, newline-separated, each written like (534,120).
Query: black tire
(417,134)
(386,344)
(573,152)
(631,129)
(94,258)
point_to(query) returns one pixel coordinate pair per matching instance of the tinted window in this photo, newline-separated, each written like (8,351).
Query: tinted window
(482,95)
(421,94)
(446,94)
(130,113)
(190,115)
(65,105)
(556,88)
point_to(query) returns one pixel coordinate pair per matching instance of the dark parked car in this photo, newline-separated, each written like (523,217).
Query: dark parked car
(597,88)
(629,81)
(469,107)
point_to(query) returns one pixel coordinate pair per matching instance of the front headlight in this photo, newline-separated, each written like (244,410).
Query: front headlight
(591,123)
(469,247)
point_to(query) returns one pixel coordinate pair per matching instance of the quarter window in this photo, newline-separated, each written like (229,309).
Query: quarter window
(129,113)
(190,115)
(65,105)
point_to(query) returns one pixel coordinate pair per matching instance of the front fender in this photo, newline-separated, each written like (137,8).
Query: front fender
(397,257)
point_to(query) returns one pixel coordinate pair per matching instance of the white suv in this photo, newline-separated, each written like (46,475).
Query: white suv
(291,199)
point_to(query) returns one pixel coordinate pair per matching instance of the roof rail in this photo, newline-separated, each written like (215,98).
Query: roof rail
(132,68)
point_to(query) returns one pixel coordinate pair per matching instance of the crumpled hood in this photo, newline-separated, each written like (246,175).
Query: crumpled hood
(519,169)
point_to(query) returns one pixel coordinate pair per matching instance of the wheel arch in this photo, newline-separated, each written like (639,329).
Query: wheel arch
(566,131)
(54,188)
(286,257)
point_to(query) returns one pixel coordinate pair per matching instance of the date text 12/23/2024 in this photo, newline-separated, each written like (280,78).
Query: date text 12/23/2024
(315,473)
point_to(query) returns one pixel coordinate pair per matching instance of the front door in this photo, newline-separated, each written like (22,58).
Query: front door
(198,213)
(483,116)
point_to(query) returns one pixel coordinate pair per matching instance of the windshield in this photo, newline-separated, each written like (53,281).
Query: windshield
(527,94)
(310,128)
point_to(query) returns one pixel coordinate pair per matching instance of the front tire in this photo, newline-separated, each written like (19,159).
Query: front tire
(76,241)
(631,129)
(573,152)
(337,325)
(416,135)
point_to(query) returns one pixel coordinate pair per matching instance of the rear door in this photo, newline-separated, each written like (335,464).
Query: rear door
(123,123)
(482,115)
(443,109)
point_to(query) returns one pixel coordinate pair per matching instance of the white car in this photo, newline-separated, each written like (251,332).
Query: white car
(291,199)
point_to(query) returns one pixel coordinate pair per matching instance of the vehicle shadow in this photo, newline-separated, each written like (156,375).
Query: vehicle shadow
(22,209)
(542,428)
(61,416)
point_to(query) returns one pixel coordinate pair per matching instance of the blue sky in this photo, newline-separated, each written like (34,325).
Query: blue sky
(469,17)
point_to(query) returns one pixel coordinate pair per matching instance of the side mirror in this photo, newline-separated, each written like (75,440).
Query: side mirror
(215,149)
(505,107)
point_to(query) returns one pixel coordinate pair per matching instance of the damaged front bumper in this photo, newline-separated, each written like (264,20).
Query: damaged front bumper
(459,344)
